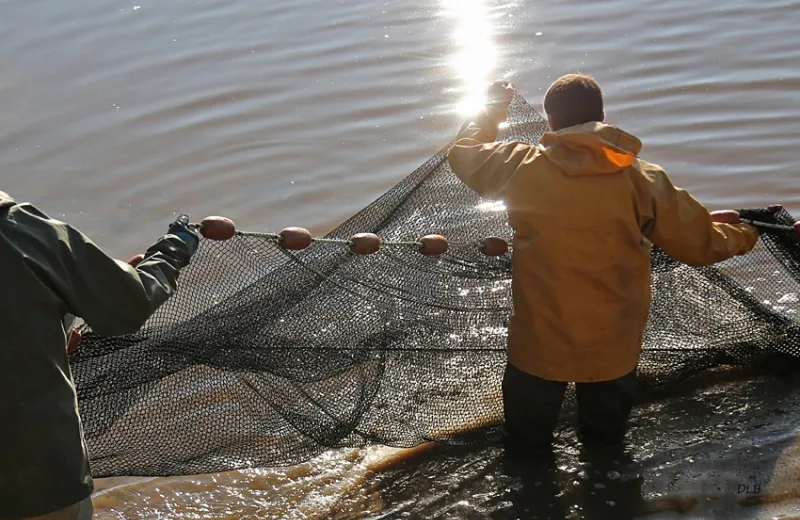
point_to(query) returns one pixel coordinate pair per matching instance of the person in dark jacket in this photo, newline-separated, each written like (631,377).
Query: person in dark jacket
(50,272)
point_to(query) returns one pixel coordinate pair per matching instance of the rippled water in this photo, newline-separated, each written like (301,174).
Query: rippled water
(116,115)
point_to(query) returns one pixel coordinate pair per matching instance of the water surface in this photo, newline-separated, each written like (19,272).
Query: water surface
(118,115)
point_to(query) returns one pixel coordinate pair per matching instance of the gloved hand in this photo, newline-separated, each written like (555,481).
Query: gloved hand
(180,228)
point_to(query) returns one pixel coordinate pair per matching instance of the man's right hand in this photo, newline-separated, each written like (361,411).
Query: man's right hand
(726,216)
(729,216)
(498,97)
(500,94)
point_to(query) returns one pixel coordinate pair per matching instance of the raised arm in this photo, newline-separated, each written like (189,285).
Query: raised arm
(477,159)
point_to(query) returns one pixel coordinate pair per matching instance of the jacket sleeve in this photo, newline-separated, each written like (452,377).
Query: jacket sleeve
(111,296)
(682,227)
(481,163)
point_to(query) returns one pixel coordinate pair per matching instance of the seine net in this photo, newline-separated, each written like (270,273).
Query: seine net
(269,357)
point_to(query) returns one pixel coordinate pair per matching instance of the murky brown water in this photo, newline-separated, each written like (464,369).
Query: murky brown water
(116,115)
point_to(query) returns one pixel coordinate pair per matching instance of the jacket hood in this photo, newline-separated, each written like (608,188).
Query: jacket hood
(590,149)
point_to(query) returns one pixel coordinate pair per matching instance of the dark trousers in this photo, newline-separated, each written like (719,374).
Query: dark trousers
(532,406)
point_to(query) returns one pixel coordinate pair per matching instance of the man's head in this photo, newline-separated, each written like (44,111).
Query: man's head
(573,99)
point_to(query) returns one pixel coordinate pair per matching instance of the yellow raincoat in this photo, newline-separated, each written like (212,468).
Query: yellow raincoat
(585,211)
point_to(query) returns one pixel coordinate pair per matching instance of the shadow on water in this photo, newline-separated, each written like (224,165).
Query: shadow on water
(719,449)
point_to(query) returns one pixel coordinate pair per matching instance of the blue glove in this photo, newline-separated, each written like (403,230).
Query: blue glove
(180,228)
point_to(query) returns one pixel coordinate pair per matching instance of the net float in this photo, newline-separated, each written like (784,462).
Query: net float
(365,243)
(796,229)
(295,238)
(433,245)
(493,246)
(217,228)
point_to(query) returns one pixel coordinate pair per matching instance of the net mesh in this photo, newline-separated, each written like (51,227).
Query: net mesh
(269,357)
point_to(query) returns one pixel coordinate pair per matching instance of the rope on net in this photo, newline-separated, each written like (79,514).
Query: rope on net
(296,238)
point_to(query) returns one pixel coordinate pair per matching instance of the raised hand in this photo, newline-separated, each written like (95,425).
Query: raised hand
(500,94)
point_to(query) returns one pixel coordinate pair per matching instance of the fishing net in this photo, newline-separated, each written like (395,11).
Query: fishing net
(269,357)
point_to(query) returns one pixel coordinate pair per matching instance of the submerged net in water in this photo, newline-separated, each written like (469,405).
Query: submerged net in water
(269,357)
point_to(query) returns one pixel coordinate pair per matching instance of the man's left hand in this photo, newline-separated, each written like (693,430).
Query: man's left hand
(498,97)
(74,340)
(135,260)
(500,94)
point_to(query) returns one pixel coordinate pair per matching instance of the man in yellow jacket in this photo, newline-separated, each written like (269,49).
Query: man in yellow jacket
(585,211)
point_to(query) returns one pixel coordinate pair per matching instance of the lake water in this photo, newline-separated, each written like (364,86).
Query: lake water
(119,114)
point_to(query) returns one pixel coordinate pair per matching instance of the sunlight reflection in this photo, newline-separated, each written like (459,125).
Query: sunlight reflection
(475,55)
(492,206)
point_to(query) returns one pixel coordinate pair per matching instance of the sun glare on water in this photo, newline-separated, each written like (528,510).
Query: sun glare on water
(475,54)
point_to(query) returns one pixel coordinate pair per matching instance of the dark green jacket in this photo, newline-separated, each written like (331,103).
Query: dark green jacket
(48,270)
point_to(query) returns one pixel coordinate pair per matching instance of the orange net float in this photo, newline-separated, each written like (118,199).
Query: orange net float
(433,245)
(217,228)
(493,246)
(295,238)
(365,243)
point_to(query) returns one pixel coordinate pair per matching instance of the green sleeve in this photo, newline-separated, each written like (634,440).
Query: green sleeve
(111,296)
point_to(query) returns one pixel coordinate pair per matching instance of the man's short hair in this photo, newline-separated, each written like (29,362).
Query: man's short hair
(574,99)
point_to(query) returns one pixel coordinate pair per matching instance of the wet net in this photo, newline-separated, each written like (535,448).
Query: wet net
(269,357)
